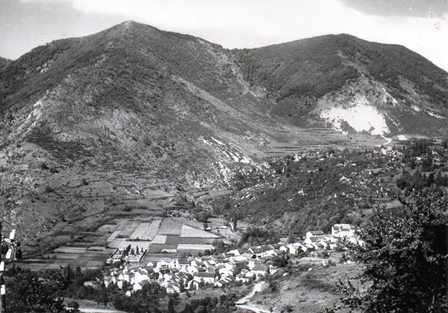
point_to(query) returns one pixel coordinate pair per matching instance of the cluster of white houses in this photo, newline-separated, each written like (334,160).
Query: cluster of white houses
(339,232)
(239,265)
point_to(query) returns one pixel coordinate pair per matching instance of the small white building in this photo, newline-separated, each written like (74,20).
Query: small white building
(343,230)
(314,233)
(182,264)
(205,277)
(295,248)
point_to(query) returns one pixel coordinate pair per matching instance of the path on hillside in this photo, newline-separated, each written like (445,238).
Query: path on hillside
(244,303)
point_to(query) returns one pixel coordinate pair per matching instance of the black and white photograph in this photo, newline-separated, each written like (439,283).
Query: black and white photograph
(217,156)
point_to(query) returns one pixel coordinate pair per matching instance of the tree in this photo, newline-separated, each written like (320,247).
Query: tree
(68,274)
(171,305)
(280,260)
(29,293)
(74,306)
(405,257)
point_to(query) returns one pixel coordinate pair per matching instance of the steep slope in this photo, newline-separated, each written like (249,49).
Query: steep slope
(352,84)
(95,125)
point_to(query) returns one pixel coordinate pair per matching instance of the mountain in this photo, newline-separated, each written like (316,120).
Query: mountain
(352,84)
(94,125)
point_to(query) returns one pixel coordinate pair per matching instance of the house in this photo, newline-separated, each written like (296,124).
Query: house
(205,277)
(273,269)
(225,271)
(173,287)
(182,263)
(343,230)
(312,243)
(210,263)
(314,233)
(238,260)
(260,270)
(295,248)
(136,287)
(161,265)
(124,277)
(192,285)
(242,278)
(227,279)
(271,252)
(249,275)
(314,239)
(140,276)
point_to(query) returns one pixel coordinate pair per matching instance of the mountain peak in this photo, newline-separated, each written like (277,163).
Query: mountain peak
(130,26)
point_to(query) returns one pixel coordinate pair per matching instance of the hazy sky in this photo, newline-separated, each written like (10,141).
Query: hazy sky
(421,25)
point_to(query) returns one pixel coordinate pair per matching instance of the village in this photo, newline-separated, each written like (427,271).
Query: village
(237,266)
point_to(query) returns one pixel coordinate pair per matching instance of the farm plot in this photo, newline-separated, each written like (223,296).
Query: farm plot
(194,247)
(127,227)
(152,230)
(72,250)
(140,231)
(163,248)
(170,227)
(93,257)
(193,240)
(191,232)
(159,239)
(174,236)
(172,240)
(113,236)
(64,256)
(123,244)
(146,231)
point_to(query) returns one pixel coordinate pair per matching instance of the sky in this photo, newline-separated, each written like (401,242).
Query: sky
(420,25)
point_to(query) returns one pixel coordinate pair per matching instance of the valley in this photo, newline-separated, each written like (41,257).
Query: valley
(134,146)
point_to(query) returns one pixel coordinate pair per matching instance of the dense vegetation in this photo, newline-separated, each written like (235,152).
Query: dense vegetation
(30,292)
(425,165)
(406,257)
(313,190)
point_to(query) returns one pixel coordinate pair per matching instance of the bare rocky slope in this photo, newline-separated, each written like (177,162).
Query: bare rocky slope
(134,114)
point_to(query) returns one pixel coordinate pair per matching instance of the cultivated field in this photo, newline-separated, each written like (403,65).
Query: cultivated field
(175,236)
(166,236)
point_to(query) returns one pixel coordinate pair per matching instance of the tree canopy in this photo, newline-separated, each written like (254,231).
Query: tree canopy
(405,259)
